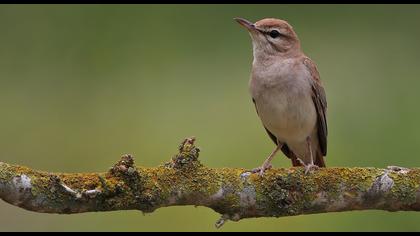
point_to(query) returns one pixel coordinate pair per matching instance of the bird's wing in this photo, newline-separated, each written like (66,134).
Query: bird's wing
(285,149)
(320,101)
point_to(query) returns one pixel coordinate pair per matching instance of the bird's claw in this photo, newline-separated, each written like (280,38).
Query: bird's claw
(260,170)
(310,168)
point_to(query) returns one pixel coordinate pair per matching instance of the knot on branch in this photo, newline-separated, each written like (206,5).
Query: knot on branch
(22,183)
(187,155)
(128,172)
(132,183)
(124,167)
(383,183)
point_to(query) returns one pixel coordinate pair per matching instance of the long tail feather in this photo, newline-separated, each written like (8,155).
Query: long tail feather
(319,159)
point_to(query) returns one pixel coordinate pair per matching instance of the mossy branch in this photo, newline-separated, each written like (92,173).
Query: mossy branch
(232,192)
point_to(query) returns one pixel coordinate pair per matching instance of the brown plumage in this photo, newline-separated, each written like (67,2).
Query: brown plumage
(288,95)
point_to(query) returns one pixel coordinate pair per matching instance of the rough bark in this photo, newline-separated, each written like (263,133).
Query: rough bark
(232,192)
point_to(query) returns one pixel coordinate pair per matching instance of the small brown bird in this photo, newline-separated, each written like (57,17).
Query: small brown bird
(286,89)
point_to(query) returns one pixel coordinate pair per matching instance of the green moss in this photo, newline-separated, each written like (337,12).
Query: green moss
(6,172)
(184,180)
(405,186)
(291,191)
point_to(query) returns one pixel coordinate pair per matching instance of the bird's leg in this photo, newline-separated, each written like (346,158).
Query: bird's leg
(309,168)
(267,163)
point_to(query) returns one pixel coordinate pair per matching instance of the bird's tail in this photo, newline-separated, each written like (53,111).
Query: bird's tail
(295,161)
(319,159)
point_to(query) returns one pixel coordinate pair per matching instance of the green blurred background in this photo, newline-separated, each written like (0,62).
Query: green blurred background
(81,85)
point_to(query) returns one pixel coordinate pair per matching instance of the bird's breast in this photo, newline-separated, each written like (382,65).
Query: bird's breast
(284,104)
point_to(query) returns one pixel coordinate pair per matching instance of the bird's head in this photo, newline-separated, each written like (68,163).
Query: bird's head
(272,37)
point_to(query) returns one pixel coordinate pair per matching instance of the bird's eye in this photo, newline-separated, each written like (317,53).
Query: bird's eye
(274,34)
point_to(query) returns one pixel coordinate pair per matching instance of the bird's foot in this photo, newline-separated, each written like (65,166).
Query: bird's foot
(310,168)
(260,170)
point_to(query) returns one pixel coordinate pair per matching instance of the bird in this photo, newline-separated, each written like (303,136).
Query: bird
(288,95)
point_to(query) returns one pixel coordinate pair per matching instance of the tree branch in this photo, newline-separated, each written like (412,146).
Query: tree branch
(234,193)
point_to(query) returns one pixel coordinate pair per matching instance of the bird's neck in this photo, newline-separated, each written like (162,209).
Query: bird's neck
(267,59)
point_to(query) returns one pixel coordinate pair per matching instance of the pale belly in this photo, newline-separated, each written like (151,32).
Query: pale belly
(290,117)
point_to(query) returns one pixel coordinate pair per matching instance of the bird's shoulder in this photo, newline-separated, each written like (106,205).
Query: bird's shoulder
(315,79)
(311,67)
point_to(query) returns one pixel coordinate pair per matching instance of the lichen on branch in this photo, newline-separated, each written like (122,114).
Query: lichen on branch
(232,192)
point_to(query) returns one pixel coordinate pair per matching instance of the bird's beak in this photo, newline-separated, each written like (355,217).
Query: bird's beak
(245,23)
